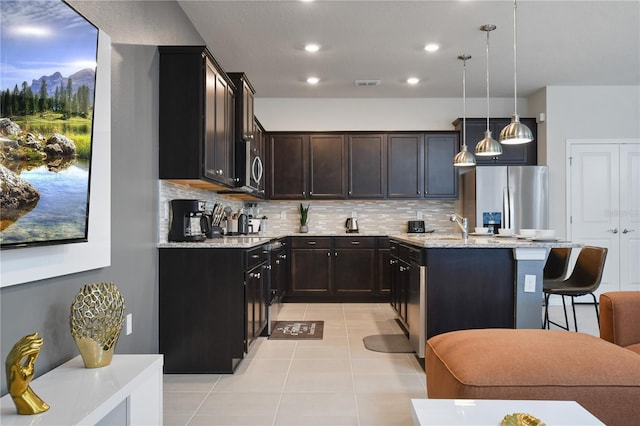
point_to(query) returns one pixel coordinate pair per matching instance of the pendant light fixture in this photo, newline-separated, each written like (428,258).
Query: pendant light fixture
(515,133)
(488,146)
(464,158)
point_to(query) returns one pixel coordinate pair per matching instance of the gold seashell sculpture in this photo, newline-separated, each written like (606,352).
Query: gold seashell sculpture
(521,419)
(97,315)
(20,369)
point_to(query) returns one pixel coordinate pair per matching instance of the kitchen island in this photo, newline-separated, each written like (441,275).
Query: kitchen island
(443,282)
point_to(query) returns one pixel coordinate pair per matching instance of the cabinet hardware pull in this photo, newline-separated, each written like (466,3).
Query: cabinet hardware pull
(255,256)
(626,231)
(277,261)
(355,243)
(329,254)
(335,254)
(613,231)
(311,243)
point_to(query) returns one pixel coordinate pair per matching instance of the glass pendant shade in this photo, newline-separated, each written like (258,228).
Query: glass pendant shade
(515,133)
(488,146)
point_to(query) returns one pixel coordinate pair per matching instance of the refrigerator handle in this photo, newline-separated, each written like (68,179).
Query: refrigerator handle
(506,208)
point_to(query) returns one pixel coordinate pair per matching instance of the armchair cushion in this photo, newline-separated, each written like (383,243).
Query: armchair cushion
(620,318)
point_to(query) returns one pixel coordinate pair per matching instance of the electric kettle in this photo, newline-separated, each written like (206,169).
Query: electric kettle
(351,224)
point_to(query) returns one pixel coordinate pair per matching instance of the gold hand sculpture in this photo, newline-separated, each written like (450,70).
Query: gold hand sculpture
(20,373)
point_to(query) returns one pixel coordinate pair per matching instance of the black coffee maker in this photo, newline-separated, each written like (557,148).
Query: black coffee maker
(187,221)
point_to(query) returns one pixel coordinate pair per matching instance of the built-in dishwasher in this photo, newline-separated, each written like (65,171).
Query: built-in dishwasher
(417,300)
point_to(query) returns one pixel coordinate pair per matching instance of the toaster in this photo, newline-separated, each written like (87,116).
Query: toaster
(415,226)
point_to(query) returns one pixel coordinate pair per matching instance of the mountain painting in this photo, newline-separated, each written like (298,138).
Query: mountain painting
(47,88)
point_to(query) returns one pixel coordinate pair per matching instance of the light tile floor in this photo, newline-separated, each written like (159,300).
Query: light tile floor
(334,381)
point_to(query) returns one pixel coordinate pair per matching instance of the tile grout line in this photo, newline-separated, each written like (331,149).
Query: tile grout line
(286,377)
(353,378)
(195,412)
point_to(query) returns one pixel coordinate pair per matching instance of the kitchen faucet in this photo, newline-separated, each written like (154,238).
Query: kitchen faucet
(462,222)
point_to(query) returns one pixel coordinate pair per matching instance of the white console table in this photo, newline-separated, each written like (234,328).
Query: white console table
(89,396)
(443,412)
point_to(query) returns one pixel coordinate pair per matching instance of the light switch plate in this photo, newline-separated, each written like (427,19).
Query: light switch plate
(529,283)
(419,215)
(129,320)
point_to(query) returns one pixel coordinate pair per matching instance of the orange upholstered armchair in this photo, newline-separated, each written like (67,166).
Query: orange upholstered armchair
(620,318)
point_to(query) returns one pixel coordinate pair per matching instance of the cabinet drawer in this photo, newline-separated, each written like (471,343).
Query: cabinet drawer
(394,248)
(255,256)
(311,243)
(354,242)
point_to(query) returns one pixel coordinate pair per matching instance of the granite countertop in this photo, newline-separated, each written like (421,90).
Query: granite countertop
(489,241)
(253,240)
(246,241)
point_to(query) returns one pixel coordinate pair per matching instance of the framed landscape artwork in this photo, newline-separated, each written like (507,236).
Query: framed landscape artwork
(48,72)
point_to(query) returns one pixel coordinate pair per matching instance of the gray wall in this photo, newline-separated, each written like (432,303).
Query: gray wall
(135,28)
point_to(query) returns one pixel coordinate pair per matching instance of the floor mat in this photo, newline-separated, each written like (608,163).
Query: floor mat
(297,330)
(389,343)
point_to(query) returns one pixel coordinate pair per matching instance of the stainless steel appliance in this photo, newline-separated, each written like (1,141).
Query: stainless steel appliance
(416,301)
(513,197)
(187,221)
(415,226)
(250,169)
(351,224)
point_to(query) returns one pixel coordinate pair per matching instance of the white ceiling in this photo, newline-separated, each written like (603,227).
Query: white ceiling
(559,43)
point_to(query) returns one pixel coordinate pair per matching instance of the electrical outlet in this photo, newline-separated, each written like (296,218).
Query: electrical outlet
(283,215)
(129,323)
(529,283)
(419,215)
(354,215)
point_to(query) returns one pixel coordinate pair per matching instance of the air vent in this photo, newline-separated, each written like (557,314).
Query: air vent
(367,82)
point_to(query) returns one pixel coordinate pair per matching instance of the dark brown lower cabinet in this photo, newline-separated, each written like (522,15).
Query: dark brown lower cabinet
(212,305)
(354,266)
(335,269)
(311,267)
(463,290)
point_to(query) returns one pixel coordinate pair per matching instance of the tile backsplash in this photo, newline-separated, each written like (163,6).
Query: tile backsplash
(380,217)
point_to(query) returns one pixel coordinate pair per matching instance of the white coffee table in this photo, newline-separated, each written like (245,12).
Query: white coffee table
(443,412)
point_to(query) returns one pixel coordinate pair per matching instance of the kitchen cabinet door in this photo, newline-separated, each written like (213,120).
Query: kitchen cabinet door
(384,266)
(405,165)
(327,171)
(288,166)
(440,176)
(354,265)
(311,266)
(219,148)
(512,155)
(367,166)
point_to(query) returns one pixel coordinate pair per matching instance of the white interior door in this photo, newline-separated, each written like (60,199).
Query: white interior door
(629,217)
(595,204)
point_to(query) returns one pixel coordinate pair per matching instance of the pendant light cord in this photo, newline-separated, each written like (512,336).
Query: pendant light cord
(515,61)
(464,101)
(488,79)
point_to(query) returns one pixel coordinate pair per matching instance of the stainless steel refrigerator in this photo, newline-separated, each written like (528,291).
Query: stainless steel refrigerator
(514,197)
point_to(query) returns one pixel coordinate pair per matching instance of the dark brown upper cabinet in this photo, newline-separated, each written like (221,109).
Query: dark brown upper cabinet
(367,165)
(287,166)
(327,172)
(512,155)
(420,165)
(303,166)
(196,116)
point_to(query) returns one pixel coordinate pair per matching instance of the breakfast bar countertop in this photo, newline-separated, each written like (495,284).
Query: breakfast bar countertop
(489,241)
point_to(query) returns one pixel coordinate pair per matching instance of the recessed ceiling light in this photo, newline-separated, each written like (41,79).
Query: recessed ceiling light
(431,47)
(413,80)
(312,47)
(313,80)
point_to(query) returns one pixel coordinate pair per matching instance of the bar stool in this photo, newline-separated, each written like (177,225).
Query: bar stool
(557,264)
(584,279)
